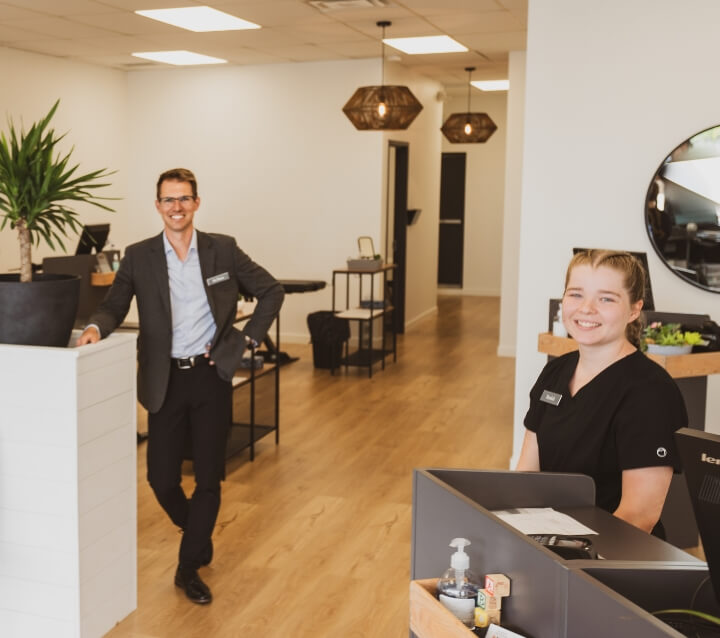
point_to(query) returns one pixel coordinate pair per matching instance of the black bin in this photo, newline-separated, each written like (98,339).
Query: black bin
(328,333)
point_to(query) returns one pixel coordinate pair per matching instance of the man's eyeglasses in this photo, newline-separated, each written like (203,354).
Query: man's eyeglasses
(185,200)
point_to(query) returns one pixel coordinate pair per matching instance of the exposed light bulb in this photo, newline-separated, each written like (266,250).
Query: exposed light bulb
(382,109)
(468,128)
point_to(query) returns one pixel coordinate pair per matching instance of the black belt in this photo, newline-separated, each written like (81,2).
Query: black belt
(190,362)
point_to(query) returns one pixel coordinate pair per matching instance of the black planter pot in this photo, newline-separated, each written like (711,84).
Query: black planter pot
(39,313)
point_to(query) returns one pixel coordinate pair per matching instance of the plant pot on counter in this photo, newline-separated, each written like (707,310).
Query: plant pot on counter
(654,348)
(39,313)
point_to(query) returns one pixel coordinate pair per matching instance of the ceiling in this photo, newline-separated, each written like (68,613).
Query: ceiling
(105,32)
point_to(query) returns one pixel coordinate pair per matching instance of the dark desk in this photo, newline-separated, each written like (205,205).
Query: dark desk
(623,542)
(292,286)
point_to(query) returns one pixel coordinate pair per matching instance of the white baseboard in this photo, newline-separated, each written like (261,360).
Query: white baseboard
(422,315)
(468,292)
(505,351)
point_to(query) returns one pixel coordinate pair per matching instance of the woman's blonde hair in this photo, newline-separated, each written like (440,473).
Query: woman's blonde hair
(633,279)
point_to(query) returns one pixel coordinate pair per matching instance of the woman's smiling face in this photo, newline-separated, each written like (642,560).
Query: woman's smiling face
(596,306)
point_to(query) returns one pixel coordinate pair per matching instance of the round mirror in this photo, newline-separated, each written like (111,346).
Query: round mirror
(682,210)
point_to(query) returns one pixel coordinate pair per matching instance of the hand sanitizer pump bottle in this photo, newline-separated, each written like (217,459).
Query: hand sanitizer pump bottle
(115,256)
(457,589)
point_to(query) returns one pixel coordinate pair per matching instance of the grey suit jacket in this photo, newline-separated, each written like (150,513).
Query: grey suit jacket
(143,274)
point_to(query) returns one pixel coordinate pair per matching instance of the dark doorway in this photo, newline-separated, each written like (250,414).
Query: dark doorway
(452,219)
(396,228)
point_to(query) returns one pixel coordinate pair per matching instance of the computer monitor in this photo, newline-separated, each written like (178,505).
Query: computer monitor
(93,236)
(700,455)
(649,302)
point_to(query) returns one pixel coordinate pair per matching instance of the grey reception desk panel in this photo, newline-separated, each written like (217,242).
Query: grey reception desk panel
(552,597)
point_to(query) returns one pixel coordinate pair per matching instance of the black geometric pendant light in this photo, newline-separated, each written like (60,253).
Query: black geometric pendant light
(382,108)
(464,128)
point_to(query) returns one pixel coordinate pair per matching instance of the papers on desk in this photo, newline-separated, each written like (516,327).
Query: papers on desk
(495,631)
(542,520)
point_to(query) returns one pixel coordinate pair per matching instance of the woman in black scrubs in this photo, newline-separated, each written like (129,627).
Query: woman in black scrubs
(606,410)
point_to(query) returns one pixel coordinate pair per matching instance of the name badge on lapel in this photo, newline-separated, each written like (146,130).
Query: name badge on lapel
(216,279)
(553,398)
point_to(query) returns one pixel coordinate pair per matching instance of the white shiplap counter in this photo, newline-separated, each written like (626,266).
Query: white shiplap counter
(68,497)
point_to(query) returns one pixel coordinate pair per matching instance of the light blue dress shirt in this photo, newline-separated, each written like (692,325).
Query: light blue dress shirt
(193,326)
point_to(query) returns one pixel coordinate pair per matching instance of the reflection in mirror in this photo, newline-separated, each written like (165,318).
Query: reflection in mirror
(682,210)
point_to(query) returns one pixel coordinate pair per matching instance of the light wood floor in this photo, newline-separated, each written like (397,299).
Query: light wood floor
(313,537)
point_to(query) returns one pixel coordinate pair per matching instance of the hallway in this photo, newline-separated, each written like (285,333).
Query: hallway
(313,537)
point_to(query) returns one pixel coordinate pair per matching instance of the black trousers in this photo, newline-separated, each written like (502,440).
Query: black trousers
(197,407)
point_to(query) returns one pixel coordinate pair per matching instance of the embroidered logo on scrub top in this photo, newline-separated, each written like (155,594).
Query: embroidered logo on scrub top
(661,452)
(553,398)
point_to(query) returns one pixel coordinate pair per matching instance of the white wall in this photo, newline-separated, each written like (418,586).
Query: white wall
(423,136)
(609,93)
(513,198)
(484,193)
(278,163)
(93,113)
(280,167)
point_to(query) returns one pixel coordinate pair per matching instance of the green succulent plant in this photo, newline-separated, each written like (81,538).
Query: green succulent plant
(670,334)
(37,186)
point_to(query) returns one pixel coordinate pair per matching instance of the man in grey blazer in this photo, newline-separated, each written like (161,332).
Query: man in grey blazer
(187,284)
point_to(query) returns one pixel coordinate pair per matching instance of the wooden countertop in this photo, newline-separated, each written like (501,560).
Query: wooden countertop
(678,366)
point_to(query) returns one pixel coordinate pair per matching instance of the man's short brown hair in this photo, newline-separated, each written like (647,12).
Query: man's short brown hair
(177,175)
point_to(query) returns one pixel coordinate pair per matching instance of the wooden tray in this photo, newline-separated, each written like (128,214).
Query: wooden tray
(101,278)
(428,618)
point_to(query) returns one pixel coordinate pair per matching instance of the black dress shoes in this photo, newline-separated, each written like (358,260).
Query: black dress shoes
(195,589)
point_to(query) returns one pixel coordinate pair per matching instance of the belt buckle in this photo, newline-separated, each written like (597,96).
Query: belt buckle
(186,364)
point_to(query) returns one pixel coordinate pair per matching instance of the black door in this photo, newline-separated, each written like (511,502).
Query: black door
(398,164)
(452,219)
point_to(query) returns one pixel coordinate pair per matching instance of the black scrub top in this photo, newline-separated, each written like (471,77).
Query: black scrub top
(623,419)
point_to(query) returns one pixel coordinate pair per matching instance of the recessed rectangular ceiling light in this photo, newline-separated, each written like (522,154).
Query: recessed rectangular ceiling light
(198,19)
(491,85)
(339,5)
(179,58)
(426,44)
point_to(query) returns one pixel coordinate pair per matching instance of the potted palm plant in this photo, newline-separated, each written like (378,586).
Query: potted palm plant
(38,187)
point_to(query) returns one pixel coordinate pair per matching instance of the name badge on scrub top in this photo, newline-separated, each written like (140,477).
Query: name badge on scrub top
(211,281)
(553,398)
